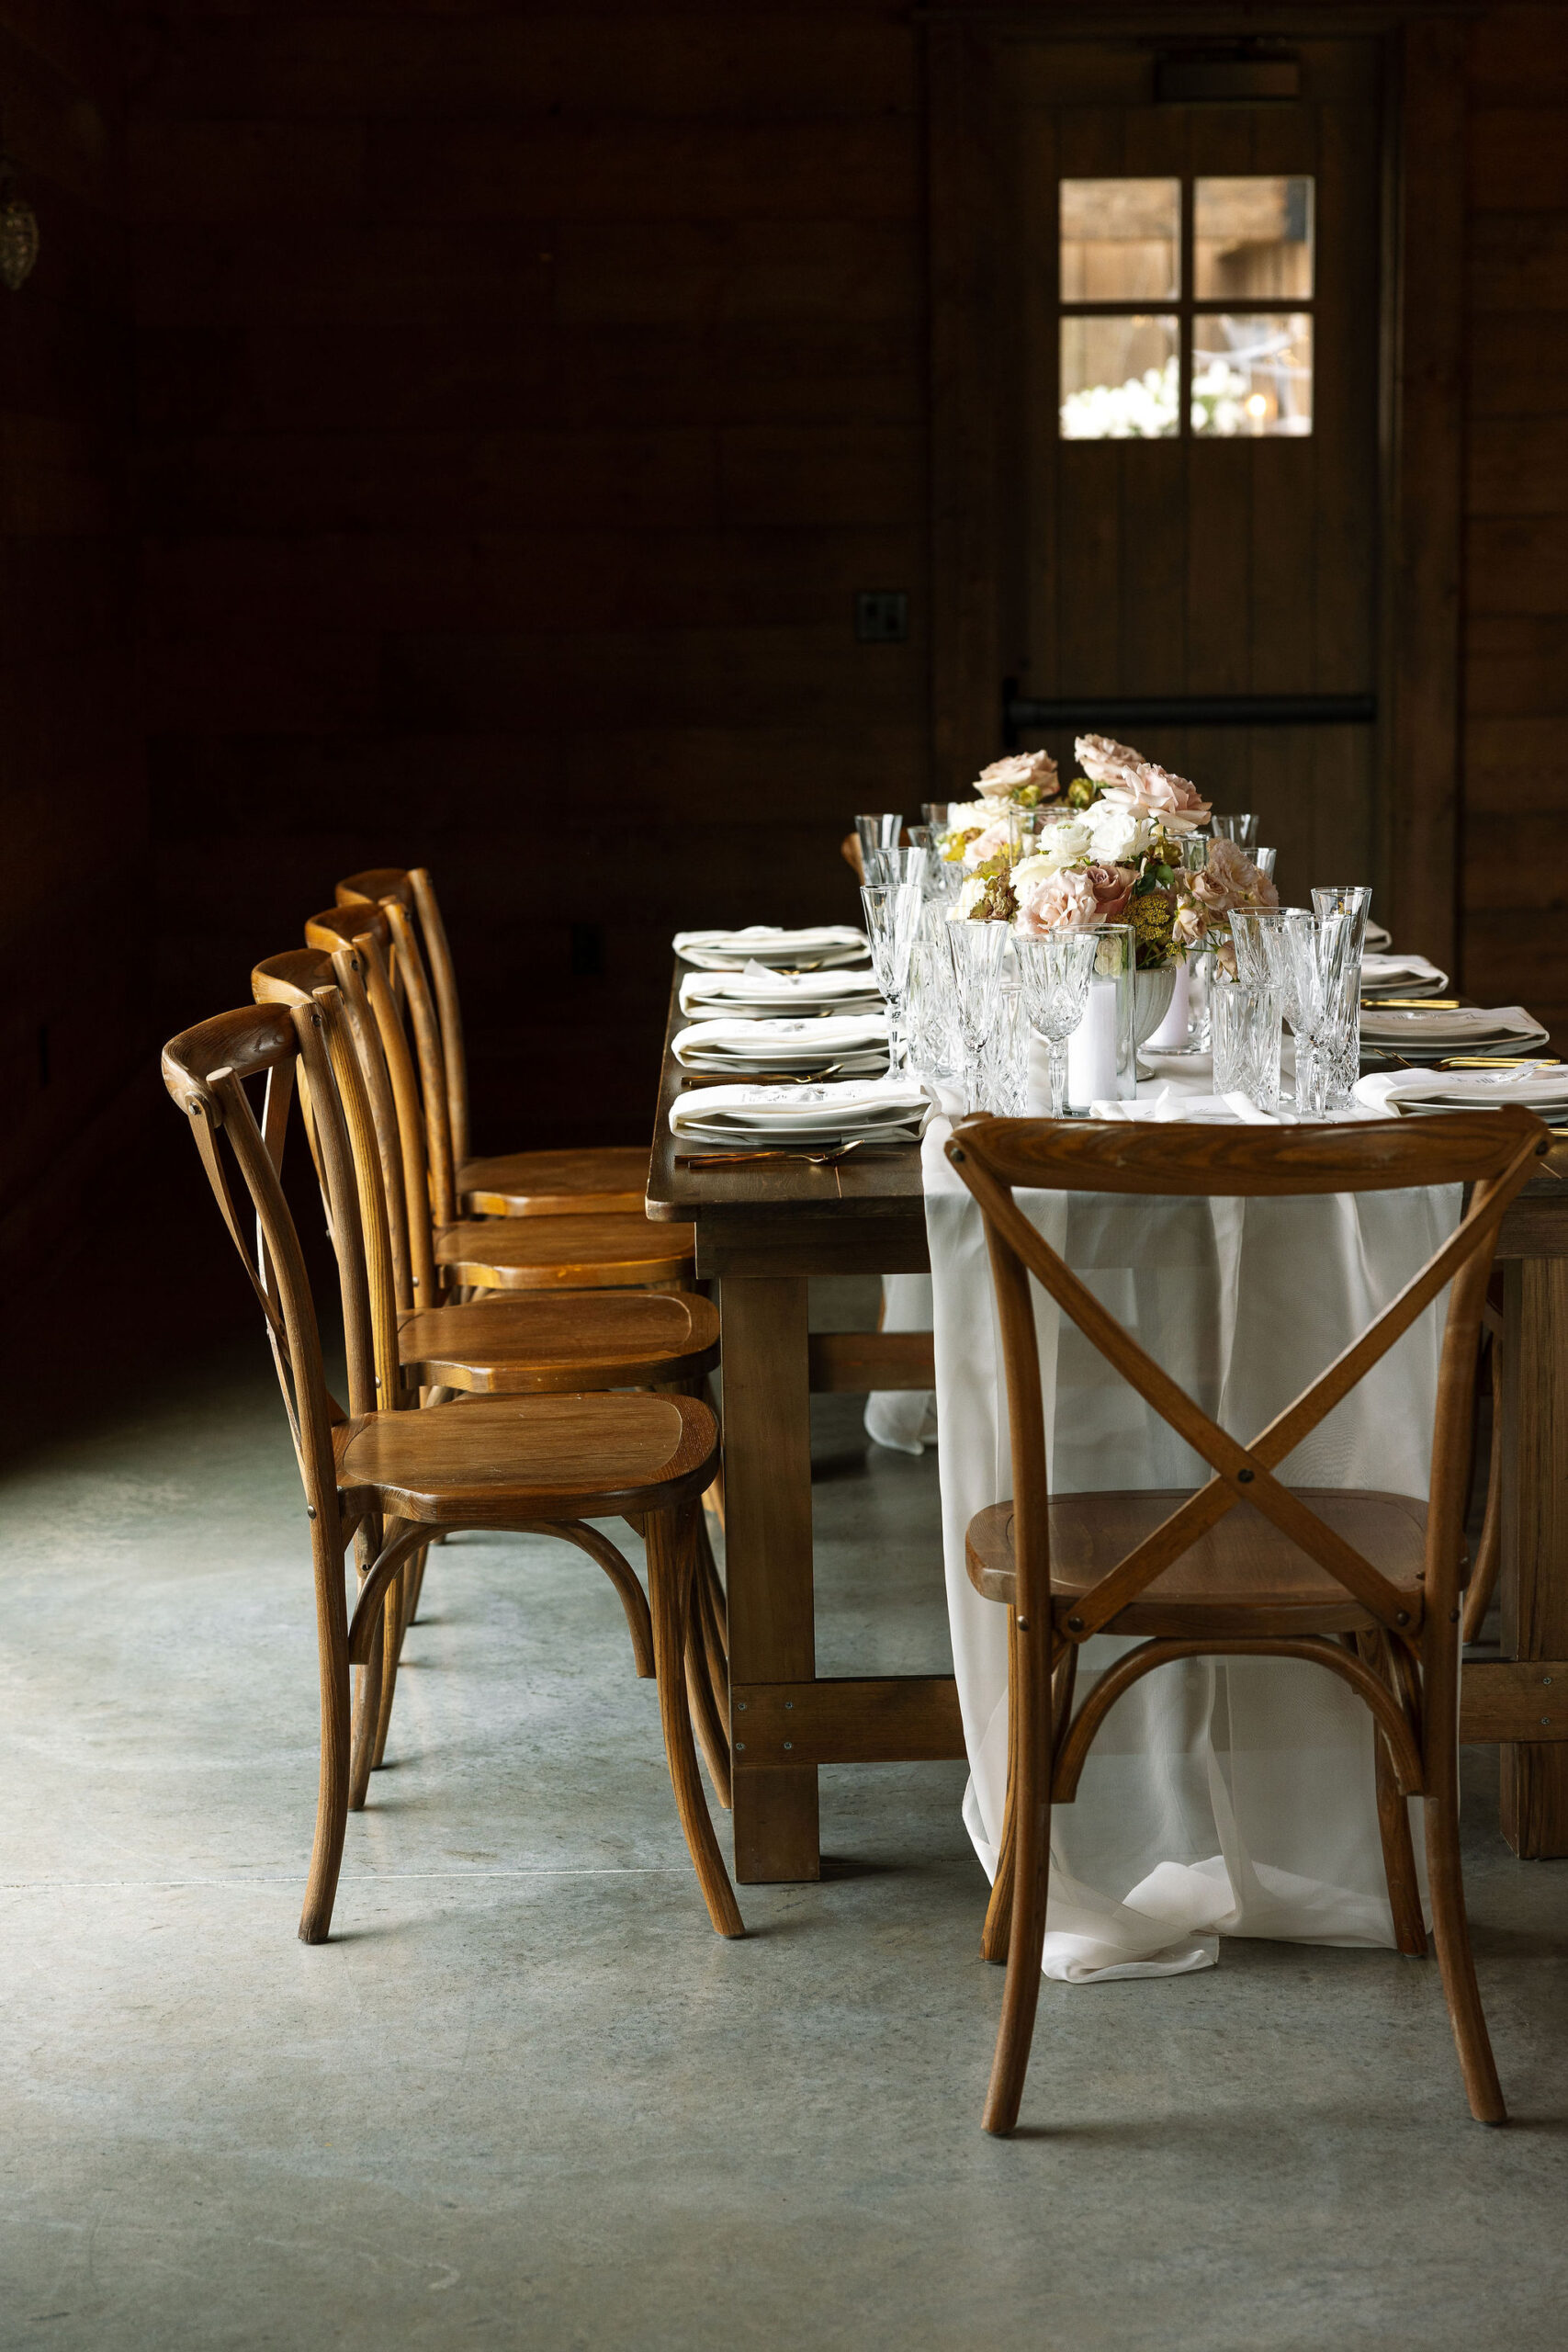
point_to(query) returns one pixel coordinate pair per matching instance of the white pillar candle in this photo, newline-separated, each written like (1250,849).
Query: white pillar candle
(1091,1048)
(1171,1035)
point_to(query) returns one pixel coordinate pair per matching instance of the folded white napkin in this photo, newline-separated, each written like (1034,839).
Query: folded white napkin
(1377,935)
(1170,1104)
(833,1107)
(773,1043)
(1221,1110)
(836,943)
(1470,1025)
(778,991)
(1544,1089)
(1403,973)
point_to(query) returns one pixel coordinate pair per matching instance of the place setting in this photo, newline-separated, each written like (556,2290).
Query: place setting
(823,1122)
(757,992)
(849,1047)
(1389,978)
(1439,1032)
(818,947)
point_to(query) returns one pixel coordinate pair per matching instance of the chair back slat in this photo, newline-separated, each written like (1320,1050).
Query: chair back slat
(409,962)
(444,980)
(359,926)
(1492,1150)
(369,1232)
(415,891)
(206,1069)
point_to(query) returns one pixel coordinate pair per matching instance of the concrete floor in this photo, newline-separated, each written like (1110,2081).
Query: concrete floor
(525,2097)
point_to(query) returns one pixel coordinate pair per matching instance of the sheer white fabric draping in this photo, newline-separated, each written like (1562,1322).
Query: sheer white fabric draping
(1223,1796)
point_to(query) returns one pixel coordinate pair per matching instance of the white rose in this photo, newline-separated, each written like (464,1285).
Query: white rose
(969,898)
(963,816)
(1117,836)
(1063,846)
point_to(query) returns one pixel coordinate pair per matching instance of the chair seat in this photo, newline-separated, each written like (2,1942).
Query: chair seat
(566,1252)
(608,1339)
(499,1462)
(1242,1577)
(602,1182)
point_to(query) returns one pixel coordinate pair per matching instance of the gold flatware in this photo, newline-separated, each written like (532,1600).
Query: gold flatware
(745,1159)
(1500,1061)
(1410,1004)
(759,1076)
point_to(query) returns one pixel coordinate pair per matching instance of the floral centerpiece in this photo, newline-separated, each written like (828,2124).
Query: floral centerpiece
(1112,852)
(981,829)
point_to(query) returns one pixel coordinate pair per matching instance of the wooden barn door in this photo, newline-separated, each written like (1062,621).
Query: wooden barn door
(1189,518)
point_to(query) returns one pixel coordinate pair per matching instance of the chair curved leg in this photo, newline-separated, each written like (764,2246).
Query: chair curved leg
(1032,1778)
(367,1714)
(1489,1550)
(998,1929)
(332,1791)
(1450,1928)
(416,1573)
(394,1625)
(669,1565)
(711,1735)
(1394,1828)
(711,1586)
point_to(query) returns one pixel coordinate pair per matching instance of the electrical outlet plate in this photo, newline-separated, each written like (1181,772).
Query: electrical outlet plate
(882,617)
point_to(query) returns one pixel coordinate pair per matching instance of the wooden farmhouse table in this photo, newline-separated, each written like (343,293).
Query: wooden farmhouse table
(765,1230)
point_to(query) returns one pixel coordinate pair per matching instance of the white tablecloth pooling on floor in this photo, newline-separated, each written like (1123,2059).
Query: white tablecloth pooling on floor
(1221,1797)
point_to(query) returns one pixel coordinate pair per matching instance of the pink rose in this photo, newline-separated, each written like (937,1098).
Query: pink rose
(1005,777)
(1104,760)
(1152,791)
(1112,889)
(1230,880)
(1065,902)
(990,843)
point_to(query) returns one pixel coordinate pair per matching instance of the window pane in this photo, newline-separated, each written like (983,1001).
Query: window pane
(1120,241)
(1118,379)
(1252,240)
(1252,375)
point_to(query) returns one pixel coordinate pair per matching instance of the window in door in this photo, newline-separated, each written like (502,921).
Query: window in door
(1186,306)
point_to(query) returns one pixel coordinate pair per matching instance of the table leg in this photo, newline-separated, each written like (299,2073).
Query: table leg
(1534,1398)
(767,1480)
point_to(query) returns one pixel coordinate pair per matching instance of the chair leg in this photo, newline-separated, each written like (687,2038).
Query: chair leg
(1394,1828)
(1030,1702)
(333,1791)
(421,1562)
(1489,1551)
(669,1564)
(367,1716)
(994,1934)
(1451,1928)
(711,1735)
(711,1584)
(394,1624)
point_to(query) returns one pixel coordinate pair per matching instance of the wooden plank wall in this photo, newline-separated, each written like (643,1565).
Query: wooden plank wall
(76,1026)
(1514,851)
(525,394)
(521,398)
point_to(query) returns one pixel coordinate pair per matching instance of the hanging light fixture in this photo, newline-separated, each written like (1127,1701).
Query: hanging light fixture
(19,229)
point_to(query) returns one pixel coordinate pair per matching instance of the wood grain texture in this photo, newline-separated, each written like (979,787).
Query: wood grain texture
(854,1362)
(1533,1385)
(767,1472)
(896,1719)
(1520,1700)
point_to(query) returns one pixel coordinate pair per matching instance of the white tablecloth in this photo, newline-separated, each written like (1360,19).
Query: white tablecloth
(1221,1797)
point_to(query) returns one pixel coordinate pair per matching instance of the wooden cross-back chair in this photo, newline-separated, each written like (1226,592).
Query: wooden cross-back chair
(391,1479)
(584,1251)
(548,1343)
(1364,1585)
(599,1179)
